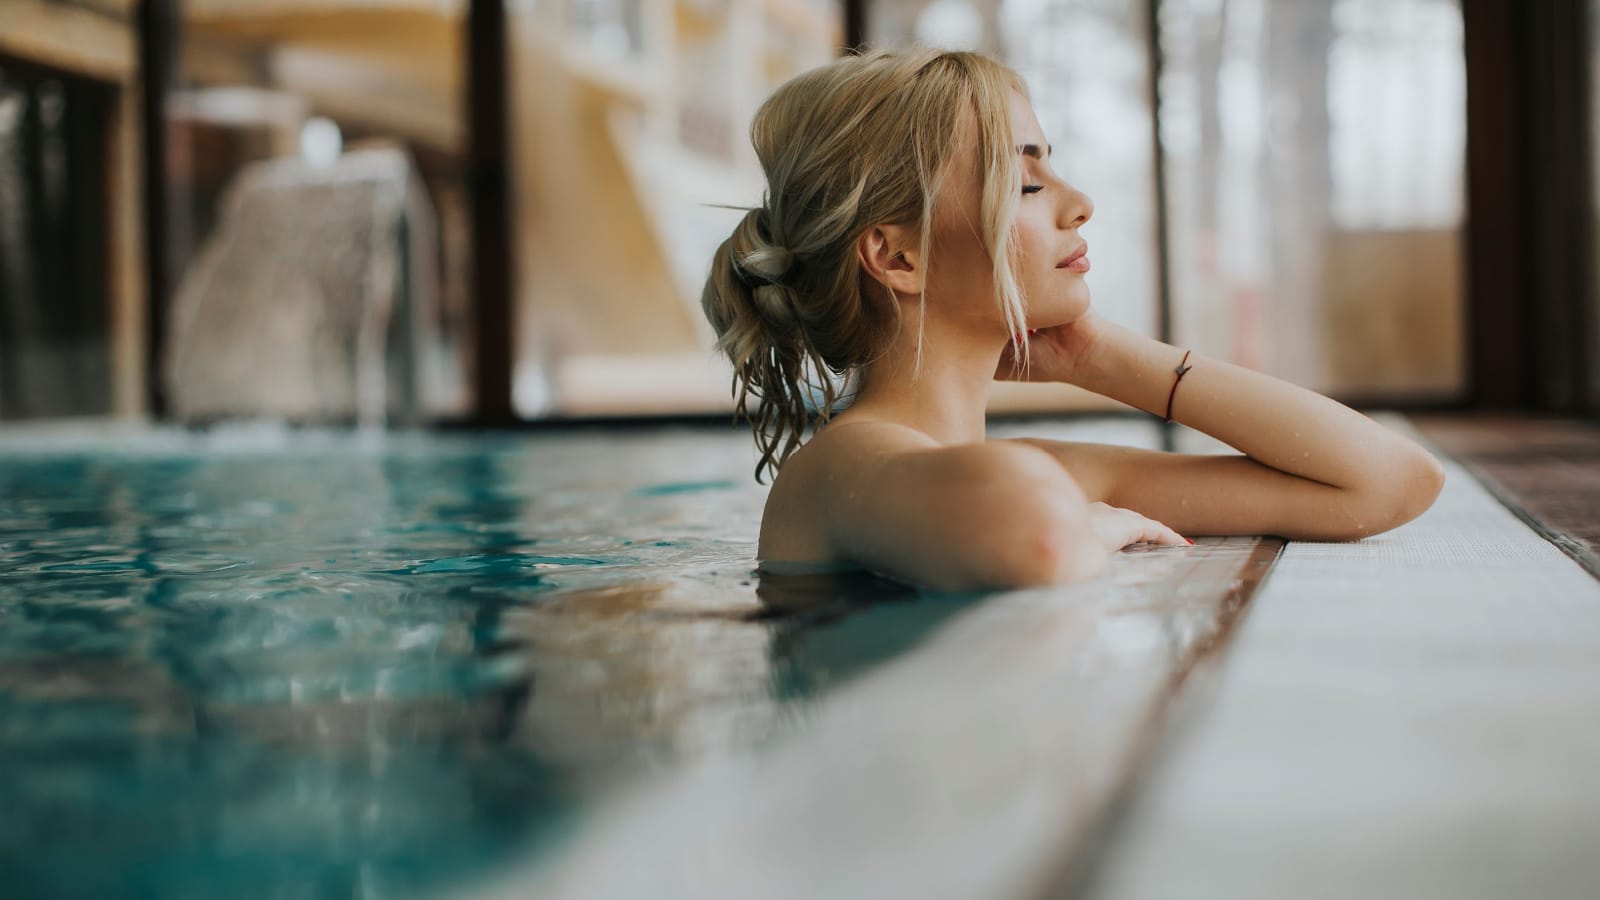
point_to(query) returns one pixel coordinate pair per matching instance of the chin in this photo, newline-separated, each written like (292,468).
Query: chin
(1060,312)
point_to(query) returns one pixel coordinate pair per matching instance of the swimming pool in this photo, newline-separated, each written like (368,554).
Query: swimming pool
(266,662)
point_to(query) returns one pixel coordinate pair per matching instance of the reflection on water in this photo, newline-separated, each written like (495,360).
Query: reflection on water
(629,679)
(322,665)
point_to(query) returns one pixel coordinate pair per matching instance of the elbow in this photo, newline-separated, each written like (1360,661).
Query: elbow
(1427,483)
(1417,486)
(1047,548)
(1407,495)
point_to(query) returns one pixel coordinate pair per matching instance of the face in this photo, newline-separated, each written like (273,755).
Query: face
(1050,268)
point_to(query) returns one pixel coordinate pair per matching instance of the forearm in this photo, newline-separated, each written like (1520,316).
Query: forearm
(1279,424)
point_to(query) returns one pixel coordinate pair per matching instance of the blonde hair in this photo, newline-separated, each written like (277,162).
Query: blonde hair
(862,141)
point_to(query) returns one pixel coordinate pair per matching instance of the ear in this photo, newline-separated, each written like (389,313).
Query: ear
(888,254)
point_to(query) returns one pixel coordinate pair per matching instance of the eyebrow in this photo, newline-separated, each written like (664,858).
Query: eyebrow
(1034,151)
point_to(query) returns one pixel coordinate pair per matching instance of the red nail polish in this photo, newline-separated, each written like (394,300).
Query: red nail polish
(1191,542)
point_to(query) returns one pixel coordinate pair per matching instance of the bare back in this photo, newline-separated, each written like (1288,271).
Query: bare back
(794,524)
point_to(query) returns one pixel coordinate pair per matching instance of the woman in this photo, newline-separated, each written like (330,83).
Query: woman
(915,236)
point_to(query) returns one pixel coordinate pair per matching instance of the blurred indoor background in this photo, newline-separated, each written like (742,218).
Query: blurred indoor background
(441,211)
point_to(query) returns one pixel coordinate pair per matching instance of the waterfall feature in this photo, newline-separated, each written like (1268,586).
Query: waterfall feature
(314,299)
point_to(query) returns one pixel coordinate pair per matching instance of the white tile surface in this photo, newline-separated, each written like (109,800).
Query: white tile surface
(1413,715)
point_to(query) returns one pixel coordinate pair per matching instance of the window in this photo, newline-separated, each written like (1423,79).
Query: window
(1314,155)
(630,124)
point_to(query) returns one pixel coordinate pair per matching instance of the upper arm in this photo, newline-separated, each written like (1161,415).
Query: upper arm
(977,515)
(1222,494)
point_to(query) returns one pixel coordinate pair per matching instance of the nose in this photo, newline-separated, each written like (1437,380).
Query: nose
(1077,208)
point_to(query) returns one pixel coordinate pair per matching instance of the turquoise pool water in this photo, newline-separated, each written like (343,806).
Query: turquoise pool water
(267,663)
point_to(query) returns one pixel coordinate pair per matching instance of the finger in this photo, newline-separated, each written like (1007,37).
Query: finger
(1157,533)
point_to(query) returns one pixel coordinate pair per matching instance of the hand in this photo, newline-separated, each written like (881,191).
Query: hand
(1056,353)
(1117,528)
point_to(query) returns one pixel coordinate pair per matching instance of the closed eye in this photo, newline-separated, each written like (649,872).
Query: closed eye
(1032,188)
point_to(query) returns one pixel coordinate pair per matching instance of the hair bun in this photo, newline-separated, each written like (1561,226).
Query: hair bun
(762,260)
(762,266)
(776,302)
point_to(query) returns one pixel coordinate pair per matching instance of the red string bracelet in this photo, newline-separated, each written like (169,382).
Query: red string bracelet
(1181,369)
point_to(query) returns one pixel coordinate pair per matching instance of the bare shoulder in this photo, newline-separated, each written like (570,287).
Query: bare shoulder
(893,500)
(794,523)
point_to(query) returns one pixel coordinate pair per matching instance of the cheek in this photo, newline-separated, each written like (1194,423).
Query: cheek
(1034,240)
(959,257)
(1032,263)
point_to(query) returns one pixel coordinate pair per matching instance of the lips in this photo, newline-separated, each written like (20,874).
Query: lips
(1077,261)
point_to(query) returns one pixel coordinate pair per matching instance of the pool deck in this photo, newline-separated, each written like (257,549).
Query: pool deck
(1547,470)
(1416,714)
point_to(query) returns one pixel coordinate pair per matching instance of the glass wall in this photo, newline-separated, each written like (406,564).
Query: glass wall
(318,221)
(1314,155)
(318,214)
(55,351)
(630,126)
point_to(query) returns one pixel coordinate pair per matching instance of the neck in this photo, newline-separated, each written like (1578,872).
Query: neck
(948,398)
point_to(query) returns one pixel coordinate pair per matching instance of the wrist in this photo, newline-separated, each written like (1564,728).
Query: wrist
(1099,357)
(1132,369)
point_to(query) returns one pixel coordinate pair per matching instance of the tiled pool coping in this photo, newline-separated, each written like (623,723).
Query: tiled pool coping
(1414,715)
